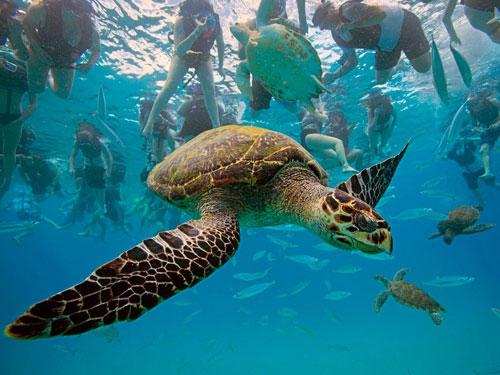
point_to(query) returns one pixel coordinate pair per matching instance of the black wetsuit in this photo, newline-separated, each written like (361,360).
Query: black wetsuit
(41,175)
(464,155)
(13,79)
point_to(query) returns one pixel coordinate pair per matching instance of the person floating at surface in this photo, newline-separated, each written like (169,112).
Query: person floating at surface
(387,28)
(464,154)
(13,86)
(59,32)
(337,127)
(195,32)
(11,29)
(329,149)
(97,167)
(196,117)
(161,130)
(261,97)
(379,125)
(41,175)
(481,16)
(486,121)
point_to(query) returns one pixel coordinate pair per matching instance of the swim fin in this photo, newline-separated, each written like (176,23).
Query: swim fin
(463,66)
(438,74)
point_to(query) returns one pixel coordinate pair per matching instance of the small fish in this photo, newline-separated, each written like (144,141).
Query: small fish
(348,269)
(191,316)
(286,228)
(253,290)
(433,183)
(449,281)
(337,295)
(437,216)
(264,320)
(437,194)
(245,276)
(258,255)
(109,333)
(380,256)
(270,257)
(296,290)
(320,265)
(287,312)
(496,311)
(384,200)
(334,316)
(280,242)
(302,259)
(328,284)
(412,214)
(339,348)
(423,165)
(305,330)
(323,246)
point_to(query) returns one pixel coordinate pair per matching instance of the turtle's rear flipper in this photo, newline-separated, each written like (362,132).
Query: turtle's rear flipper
(436,318)
(380,300)
(435,235)
(477,228)
(136,281)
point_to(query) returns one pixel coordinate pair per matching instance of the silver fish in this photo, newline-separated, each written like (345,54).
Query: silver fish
(437,194)
(339,348)
(320,265)
(302,259)
(245,276)
(348,269)
(449,281)
(381,256)
(337,295)
(296,290)
(412,214)
(252,290)
(323,246)
(287,312)
(496,311)
(280,242)
(433,183)
(384,200)
(258,255)
(286,228)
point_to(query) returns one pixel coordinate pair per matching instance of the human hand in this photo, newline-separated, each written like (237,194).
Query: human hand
(148,130)
(202,24)
(222,72)
(72,171)
(83,67)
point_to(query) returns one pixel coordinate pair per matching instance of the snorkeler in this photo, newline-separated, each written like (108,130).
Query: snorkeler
(13,86)
(387,27)
(329,149)
(195,32)
(59,32)
(379,126)
(486,121)
(11,29)
(481,16)
(97,167)
(41,175)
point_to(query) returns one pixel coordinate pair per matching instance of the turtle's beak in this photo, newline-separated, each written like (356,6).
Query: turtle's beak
(375,242)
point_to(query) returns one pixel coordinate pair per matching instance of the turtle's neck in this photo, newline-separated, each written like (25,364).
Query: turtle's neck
(297,193)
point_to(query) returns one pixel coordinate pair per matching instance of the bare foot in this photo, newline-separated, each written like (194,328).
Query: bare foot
(487,176)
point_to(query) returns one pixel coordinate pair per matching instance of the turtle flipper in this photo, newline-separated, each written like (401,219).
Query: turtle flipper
(478,228)
(370,184)
(242,79)
(436,318)
(380,300)
(400,274)
(264,12)
(309,106)
(136,281)
(435,235)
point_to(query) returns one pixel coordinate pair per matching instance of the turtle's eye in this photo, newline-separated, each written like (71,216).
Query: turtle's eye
(365,223)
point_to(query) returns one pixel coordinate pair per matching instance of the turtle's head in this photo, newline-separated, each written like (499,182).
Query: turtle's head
(349,223)
(240,32)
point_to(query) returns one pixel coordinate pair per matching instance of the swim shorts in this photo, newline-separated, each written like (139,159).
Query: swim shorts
(490,137)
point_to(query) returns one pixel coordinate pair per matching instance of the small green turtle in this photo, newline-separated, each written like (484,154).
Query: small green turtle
(461,221)
(282,60)
(409,295)
(226,178)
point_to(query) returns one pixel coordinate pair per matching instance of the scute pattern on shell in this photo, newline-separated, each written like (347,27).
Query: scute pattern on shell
(283,61)
(227,155)
(410,295)
(460,218)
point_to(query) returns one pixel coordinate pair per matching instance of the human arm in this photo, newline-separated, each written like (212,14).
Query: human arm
(30,108)
(220,53)
(350,63)
(448,23)
(74,152)
(95,53)
(15,29)
(108,159)
(182,42)
(301,7)
(35,17)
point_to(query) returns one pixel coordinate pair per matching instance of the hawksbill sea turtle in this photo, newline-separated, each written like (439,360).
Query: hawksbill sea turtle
(409,295)
(461,221)
(282,60)
(226,178)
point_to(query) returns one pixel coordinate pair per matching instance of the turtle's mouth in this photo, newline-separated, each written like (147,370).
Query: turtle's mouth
(376,242)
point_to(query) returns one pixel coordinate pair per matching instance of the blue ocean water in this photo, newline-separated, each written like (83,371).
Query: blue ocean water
(206,330)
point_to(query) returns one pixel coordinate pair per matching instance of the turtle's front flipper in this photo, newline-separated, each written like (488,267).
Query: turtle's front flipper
(136,281)
(242,79)
(264,12)
(436,318)
(381,298)
(309,106)
(477,228)
(400,274)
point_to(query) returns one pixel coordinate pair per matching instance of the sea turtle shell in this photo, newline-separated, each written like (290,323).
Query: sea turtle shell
(460,218)
(412,296)
(229,155)
(284,61)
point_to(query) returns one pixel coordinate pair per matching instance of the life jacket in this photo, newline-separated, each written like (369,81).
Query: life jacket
(51,37)
(205,41)
(13,76)
(383,36)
